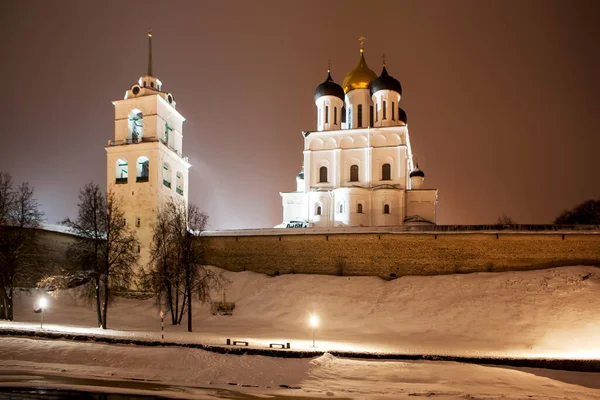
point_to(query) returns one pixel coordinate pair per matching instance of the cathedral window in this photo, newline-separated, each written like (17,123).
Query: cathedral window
(151,84)
(371,116)
(359,208)
(386,172)
(122,170)
(350,117)
(318,211)
(354,173)
(179,183)
(341,208)
(384,109)
(376,112)
(359,116)
(343,114)
(326,114)
(166,175)
(322,174)
(143,169)
(386,209)
(393,109)
(335,115)
(135,126)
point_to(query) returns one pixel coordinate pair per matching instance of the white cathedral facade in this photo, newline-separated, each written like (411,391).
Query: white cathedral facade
(358,165)
(145,164)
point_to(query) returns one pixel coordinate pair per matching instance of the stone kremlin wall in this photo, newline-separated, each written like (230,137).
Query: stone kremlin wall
(388,254)
(383,252)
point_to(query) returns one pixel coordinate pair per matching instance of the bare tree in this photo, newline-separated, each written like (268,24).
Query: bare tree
(505,220)
(105,249)
(177,271)
(19,217)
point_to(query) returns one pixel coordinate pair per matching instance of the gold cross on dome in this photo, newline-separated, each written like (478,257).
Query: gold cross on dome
(362,42)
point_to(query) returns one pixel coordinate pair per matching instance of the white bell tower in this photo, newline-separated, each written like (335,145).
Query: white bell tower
(144,162)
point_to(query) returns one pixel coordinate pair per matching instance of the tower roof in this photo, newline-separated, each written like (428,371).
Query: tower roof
(385,82)
(417,172)
(360,77)
(329,88)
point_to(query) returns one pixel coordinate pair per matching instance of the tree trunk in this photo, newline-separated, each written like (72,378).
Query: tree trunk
(189,297)
(98,309)
(3,305)
(105,305)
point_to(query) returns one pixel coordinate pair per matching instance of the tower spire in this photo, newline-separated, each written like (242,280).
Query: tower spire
(362,43)
(149,53)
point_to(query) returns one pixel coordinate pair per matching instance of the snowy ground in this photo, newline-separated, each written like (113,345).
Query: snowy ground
(547,313)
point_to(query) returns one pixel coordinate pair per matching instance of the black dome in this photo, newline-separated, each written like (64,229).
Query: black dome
(402,116)
(385,82)
(417,172)
(329,88)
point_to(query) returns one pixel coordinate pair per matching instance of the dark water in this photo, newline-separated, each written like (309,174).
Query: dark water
(58,394)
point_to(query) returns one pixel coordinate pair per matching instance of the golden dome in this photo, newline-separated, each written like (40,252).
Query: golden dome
(359,77)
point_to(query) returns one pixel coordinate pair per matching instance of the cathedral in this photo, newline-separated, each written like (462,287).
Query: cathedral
(145,164)
(358,165)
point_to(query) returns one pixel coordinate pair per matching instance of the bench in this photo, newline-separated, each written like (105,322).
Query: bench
(283,346)
(237,342)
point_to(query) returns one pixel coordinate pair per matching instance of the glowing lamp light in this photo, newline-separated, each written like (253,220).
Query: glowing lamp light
(43,303)
(314,321)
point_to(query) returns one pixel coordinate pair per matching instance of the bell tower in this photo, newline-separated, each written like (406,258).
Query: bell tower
(144,160)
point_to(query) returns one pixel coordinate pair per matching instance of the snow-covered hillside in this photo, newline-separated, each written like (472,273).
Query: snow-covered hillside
(544,313)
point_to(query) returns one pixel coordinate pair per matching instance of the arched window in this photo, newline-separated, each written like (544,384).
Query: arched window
(371,116)
(179,183)
(386,172)
(376,112)
(343,114)
(135,126)
(359,115)
(341,208)
(166,171)
(350,117)
(335,115)
(318,212)
(384,109)
(386,209)
(326,114)
(359,208)
(322,174)
(143,169)
(121,171)
(354,173)
(393,111)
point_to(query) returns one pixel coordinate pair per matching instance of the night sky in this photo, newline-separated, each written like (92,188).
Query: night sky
(501,96)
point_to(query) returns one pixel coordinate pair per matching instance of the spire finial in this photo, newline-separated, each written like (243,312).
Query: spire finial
(329,65)
(362,43)
(150,53)
(383,59)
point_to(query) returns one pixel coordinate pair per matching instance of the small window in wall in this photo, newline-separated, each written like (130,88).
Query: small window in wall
(343,114)
(152,84)
(384,109)
(341,208)
(166,175)
(393,111)
(122,171)
(322,174)
(371,116)
(318,212)
(335,115)
(179,183)
(350,117)
(354,173)
(376,112)
(143,169)
(138,222)
(386,172)
(360,115)
(359,208)
(386,209)
(326,114)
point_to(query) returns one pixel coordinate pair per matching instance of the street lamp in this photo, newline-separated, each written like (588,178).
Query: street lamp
(42,302)
(314,322)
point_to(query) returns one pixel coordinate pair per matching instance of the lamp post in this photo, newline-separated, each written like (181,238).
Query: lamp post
(314,322)
(43,302)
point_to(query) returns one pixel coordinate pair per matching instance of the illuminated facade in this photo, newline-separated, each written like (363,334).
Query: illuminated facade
(144,163)
(358,166)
